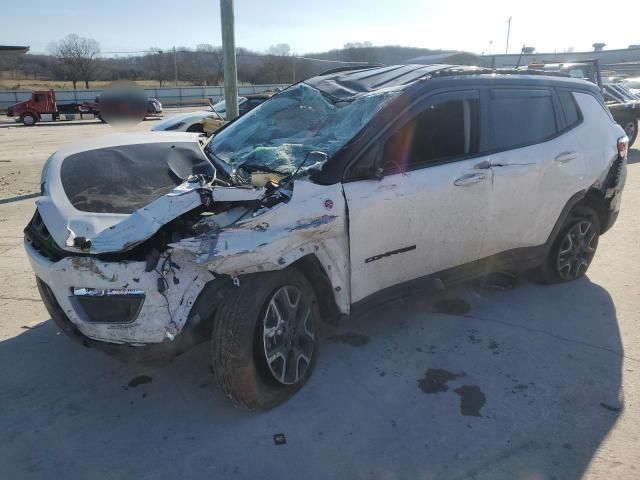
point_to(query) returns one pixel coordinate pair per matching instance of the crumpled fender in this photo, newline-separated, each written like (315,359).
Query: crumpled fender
(313,222)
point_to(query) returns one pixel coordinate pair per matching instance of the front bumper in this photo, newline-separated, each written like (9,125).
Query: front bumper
(160,318)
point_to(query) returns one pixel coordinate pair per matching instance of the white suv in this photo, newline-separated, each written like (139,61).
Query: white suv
(344,188)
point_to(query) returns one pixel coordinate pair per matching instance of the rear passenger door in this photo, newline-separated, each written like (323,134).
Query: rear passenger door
(536,166)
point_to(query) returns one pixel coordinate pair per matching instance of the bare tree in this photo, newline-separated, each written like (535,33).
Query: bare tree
(78,57)
(280,50)
(158,64)
(278,63)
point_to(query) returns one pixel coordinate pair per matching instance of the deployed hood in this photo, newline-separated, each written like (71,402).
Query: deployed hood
(118,190)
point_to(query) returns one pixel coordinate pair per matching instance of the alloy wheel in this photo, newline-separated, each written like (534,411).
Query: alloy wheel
(288,337)
(577,250)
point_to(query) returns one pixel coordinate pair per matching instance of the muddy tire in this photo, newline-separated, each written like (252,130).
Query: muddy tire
(28,119)
(264,339)
(573,248)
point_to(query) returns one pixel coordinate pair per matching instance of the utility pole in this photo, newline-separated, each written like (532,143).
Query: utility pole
(229,59)
(293,59)
(506,50)
(175,65)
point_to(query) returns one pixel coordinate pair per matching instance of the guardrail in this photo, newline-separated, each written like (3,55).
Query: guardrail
(169,96)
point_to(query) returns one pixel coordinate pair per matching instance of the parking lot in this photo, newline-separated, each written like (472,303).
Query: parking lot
(535,382)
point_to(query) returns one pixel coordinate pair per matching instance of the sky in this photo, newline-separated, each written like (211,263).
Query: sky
(133,25)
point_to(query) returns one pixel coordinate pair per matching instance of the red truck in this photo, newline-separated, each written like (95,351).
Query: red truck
(43,107)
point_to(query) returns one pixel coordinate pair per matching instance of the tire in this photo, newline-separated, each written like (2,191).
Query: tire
(101,119)
(631,130)
(240,344)
(573,249)
(28,119)
(197,127)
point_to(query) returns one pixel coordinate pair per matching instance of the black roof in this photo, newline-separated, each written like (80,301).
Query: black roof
(348,82)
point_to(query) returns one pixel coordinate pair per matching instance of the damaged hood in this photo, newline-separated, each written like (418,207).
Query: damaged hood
(117,191)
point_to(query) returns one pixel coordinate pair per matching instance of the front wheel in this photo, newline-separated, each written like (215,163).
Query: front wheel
(264,339)
(573,248)
(29,119)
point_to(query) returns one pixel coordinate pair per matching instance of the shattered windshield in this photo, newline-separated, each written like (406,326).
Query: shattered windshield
(277,135)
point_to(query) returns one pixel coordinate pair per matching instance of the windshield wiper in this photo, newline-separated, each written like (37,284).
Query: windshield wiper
(318,155)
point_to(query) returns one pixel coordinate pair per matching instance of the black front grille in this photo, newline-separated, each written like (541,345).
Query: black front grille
(108,309)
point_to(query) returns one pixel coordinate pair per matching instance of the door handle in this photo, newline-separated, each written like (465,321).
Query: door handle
(469,179)
(565,157)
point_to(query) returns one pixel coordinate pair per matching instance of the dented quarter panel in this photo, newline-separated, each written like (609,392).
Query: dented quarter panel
(161,316)
(313,222)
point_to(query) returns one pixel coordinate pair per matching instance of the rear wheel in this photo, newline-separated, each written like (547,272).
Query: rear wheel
(28,119)
(631,130)
(264,339)
(573,248)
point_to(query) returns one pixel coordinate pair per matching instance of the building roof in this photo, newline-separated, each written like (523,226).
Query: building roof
(13,49)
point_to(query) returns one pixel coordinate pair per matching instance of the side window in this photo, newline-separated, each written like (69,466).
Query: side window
(521,117)
(443,131)
(570,108)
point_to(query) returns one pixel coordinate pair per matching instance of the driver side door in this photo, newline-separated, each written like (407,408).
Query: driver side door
(427,213)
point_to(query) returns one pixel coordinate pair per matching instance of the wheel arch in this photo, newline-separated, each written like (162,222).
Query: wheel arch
(33,113)
(595,199)
(311,267)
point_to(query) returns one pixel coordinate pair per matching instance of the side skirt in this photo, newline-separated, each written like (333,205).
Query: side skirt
(518,259)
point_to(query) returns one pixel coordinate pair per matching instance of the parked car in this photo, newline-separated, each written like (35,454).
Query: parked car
(193,121)
(154,107)
(125,104)
(623,104)
(340,191)
(633,84)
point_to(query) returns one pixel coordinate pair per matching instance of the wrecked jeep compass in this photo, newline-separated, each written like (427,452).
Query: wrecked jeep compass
(350,186)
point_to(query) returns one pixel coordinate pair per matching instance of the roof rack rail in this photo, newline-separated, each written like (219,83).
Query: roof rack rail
(350,67)
(452,71)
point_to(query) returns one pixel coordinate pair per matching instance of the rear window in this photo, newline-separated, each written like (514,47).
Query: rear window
(521,117)
(569,107)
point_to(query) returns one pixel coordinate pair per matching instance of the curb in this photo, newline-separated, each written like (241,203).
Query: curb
(19,197)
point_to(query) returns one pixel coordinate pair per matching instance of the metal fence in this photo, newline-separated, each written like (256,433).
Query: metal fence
(168,96)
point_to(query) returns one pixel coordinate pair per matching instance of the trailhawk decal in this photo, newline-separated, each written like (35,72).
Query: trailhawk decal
(388,254)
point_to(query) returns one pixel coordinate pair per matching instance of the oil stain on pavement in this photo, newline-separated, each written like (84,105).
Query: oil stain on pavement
(140,380)
(471,400)
(350,338)
(435,380)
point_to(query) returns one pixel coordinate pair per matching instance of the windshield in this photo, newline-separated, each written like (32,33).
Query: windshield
(277,135)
